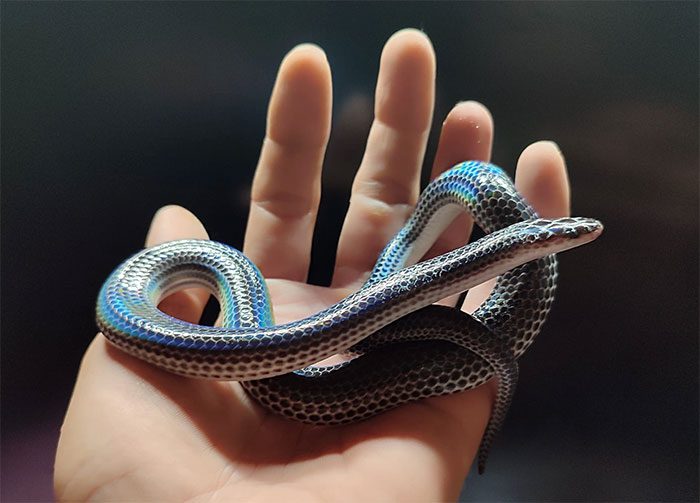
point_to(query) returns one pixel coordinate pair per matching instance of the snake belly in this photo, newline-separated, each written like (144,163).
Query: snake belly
(403,347)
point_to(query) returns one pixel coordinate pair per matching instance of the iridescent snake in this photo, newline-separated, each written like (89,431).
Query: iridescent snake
(399,346)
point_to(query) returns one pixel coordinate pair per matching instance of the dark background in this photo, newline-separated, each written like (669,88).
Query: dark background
(110,110)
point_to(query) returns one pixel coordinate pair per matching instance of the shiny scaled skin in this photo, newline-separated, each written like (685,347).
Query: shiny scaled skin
(401,347)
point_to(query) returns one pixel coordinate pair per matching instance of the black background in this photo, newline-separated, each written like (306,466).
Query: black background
(110,110)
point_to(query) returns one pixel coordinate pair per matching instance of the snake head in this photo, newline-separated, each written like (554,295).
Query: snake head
(560,233)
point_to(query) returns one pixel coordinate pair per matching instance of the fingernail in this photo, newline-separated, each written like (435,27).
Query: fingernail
(159,212)
(157,216)
(309,46)
(412,31)
(553,144)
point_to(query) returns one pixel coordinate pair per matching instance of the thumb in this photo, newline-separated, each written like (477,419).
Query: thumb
(169,224)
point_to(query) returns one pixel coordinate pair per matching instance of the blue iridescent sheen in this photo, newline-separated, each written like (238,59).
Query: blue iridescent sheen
(274,362)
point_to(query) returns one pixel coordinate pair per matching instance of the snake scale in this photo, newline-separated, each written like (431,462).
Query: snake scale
(399,346)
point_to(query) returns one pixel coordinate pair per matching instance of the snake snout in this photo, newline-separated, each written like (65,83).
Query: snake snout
(586,226)
(580,230)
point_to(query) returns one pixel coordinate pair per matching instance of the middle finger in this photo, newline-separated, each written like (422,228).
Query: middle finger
(386,186)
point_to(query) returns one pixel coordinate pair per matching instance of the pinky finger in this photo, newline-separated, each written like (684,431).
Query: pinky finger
(542,180)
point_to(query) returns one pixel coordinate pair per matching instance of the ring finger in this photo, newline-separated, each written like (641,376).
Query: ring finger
(387,183)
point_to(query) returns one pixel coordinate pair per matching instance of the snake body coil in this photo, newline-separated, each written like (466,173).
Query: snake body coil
(401,347)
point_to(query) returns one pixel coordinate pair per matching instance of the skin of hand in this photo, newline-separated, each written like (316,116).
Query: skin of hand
(135,433)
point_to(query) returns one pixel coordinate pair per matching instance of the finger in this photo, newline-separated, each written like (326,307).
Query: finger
(467,135)
(541,178)
(171,223)
(287,184)
(387,183)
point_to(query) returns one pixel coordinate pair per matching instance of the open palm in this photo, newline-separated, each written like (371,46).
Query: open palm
(133,432)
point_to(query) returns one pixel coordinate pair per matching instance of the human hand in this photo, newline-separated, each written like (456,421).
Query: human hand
(134,432)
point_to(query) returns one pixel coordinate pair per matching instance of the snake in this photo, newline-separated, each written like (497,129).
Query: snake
(398,345)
